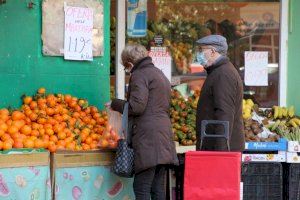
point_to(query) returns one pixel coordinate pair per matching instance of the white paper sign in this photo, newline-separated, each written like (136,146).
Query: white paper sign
(78,33)
(256,68)
(162,60)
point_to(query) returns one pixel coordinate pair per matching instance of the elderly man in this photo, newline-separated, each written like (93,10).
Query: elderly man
(221,95)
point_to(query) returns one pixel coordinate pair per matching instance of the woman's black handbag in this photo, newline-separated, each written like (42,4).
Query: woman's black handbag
(124,161)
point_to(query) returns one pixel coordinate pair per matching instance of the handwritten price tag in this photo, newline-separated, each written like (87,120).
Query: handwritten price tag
(78,33)
(162,60)
(256,68)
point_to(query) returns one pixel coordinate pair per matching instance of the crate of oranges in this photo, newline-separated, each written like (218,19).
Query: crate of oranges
(55,122)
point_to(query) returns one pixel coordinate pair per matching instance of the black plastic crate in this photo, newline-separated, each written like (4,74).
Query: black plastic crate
(293,181)
(262,181)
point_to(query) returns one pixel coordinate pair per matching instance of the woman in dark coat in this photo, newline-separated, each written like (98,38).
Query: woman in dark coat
(148,110)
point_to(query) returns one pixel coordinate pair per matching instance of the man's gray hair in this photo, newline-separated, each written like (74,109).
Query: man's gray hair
(133,53)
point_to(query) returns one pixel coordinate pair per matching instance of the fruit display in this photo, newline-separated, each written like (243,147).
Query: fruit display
(179,37)
(292,134)
(183,117)
(55,122)
(248,106)
(279,122)
(254,132)
(278,112)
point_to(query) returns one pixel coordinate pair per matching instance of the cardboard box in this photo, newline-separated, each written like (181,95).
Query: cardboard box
(87,175)
(293,146)
(25,175)
(183,149)
(24,160)
(81,158)
(292,157)
(281,145)
(261,157)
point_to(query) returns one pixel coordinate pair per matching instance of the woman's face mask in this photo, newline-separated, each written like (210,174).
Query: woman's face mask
(128,67)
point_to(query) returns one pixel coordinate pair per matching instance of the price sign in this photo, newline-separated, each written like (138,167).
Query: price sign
(162,60)
(256,68)
(78,33)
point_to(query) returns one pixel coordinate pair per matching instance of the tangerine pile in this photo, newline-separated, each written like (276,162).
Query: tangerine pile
(55,122)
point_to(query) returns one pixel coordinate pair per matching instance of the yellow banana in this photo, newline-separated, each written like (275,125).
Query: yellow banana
(279,112)
(291,111)
(275,116)
(284,112)
(293,123)
(276,124)
(297,121)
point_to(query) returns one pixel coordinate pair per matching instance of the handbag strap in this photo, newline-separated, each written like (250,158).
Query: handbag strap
(125,121)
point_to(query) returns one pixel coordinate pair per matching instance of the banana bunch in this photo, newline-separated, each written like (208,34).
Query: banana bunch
(294,122)
(247,108)
(274,126)
(283,112)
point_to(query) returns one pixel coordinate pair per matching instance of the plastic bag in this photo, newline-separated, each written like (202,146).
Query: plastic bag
(115,121)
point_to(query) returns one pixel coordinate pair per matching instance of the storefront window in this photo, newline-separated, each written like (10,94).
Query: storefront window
(248,25)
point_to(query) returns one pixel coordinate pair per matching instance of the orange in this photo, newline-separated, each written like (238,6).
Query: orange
(15,136)
(88,140)
(3,126)
(35,133)
(41,102)
(94,110)
(68,98)
(61,135)
(18,123)
(33,117)
(46,144)
(52,148)
(26,130)
(61,143)
(103,143)
(50,111)
(18,144)
(27,100)
(87,110)
(94,136)
(1,145)
(33,105)
(106,135)
(12,129)
(5,137)
(46,138)
(77,108)
(69,139)
(70,146)
(7,145)
(17,115)
(41,121)
(94,146)
(38,143)
(49,131)
(28,143)
(4,118)
(2,132)
(41,90)
(53,138)
(86,147)
(4,111)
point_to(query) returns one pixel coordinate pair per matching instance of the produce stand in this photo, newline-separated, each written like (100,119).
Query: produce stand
(25,174)
(86,175)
